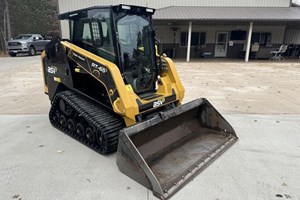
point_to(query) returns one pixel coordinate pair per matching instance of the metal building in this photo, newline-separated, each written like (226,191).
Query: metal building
(215,28)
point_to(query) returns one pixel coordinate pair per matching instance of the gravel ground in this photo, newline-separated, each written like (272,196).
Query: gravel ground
(232,87)
(238,87)
(21,86)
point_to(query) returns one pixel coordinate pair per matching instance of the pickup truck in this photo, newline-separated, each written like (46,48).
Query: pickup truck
(26,43)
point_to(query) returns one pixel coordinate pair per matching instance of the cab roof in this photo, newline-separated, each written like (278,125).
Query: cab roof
(120,7)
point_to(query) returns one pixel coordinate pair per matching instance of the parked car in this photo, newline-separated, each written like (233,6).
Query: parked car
(26,43)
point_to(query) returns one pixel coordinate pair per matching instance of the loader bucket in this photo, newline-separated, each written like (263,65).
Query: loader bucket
(167,151)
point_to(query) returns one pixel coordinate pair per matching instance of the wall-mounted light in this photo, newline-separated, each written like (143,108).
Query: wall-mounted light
(125,7)
(149,10)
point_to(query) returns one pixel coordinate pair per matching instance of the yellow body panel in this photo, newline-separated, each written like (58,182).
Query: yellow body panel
(170,79)
(126,105)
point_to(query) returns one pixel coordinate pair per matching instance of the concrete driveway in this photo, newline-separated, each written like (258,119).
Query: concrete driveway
(260,100)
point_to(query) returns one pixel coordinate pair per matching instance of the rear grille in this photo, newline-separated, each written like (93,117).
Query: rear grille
(14,44)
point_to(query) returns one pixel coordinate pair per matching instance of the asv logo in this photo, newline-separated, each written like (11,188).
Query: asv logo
(52,70)
(158,103)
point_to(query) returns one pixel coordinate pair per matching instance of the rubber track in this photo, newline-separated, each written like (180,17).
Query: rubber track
(109,123)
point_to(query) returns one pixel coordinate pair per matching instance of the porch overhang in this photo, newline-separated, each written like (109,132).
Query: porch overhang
(241,14)
(250,16)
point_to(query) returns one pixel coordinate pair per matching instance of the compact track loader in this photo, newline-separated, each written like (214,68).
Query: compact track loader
(111,90)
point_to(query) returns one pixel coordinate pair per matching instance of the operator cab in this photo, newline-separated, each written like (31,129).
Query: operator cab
(120,34)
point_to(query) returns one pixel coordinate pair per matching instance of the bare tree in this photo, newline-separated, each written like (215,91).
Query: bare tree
(2,47)
(8,20)
(4,26)
(6,30)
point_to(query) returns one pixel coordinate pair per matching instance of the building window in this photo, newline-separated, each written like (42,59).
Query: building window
(262,38)
(183,39)
(197,39)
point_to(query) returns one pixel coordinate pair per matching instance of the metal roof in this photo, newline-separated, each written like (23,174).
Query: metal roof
(227,13)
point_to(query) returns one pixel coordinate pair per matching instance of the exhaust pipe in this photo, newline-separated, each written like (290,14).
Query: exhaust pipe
(164,153)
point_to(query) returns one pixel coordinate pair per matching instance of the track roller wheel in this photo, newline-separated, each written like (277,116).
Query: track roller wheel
(102,142)
(80,129)
(90,134)
(63,121)
(71,126)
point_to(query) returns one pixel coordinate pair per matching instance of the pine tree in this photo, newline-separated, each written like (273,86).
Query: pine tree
(30,16)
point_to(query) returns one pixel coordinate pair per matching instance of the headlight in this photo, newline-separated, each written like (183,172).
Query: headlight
(24,45)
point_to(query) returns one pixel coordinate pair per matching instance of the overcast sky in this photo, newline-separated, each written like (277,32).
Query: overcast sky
(296,1)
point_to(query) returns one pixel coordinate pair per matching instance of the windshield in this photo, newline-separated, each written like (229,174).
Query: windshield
(23,37)
(135,39)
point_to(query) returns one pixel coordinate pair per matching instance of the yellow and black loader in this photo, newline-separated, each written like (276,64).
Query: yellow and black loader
(111,90)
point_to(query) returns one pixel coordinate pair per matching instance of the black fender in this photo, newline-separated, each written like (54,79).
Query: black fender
(56,68)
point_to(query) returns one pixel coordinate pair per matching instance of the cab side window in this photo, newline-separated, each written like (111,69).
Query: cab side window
(86,34)
(102,35)
(92,31)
